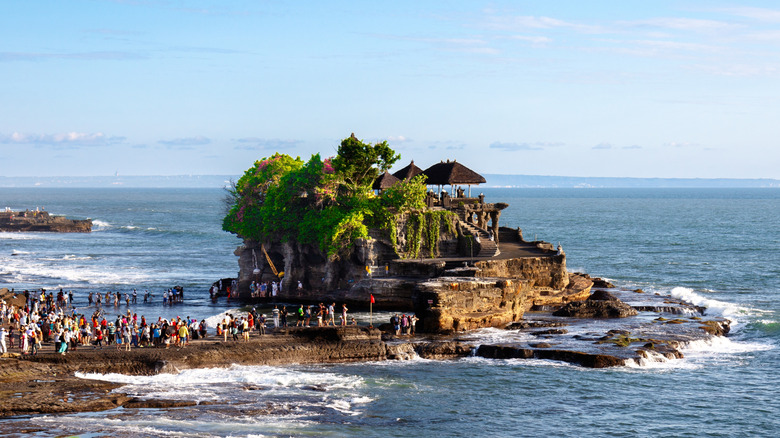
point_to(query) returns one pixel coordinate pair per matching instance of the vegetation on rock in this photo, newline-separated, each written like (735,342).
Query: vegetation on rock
(328,202)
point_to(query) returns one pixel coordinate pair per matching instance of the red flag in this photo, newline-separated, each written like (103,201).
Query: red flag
(372,299)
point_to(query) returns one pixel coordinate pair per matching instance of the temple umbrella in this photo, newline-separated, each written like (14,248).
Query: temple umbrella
(450,173)
(384,181)
(408,172)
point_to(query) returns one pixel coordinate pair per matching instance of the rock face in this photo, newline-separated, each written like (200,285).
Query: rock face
(449,304)
(546,272)
(33,221)
(596,309)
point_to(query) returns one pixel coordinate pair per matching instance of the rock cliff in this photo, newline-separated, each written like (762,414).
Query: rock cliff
(34,221)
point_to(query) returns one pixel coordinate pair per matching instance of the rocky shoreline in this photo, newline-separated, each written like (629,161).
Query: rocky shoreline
(41,221)
(659,328)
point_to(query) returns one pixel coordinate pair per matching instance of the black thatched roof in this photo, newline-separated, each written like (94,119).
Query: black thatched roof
(384,181)
(408,172)
(451,172)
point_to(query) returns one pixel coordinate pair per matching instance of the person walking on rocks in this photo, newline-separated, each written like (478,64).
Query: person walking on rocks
(276,317)
(331,315)
(3,334)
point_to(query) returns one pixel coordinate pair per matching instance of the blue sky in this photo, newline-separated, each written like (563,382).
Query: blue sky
(598,88)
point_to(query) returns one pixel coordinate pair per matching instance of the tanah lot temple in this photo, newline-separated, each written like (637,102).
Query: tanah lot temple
(452,264)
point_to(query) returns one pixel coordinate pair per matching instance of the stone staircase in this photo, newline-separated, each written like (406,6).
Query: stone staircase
(487,247)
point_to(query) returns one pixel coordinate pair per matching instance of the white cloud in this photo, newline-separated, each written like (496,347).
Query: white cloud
(525,22)
(538,40)
(536,146)
(603,146)
(253,143)
(398,139)
(686,24)
(759,14)
(68,138)
(186,141)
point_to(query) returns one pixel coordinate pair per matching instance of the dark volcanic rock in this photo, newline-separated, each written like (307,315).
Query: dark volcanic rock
(602,295)
(596,309)
(550,332)
(137,403)
(520,325)
(601,283)
(442,350)
(541,345)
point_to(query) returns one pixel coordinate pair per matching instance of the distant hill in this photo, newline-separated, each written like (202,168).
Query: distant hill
(493,180)
(172,181)
(496,180)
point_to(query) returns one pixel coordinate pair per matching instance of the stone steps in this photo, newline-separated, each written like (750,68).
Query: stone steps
(487,247)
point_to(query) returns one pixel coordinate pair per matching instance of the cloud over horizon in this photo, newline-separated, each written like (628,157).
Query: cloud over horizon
(536,146)
(68,138)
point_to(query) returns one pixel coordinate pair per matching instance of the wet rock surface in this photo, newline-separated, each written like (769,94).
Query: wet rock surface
(46,383)
(596,309)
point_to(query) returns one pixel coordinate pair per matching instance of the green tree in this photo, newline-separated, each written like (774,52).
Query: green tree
(359,163)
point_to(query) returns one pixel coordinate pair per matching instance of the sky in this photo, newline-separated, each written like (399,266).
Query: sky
(671,89)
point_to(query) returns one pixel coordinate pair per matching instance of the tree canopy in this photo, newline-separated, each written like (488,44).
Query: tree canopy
(325,202)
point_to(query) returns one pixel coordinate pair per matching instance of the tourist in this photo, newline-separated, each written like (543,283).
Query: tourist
(64,340)
(276,316)
(300,312)
(344,314)
(331,314)
(283,315)
(245,329)
(3,334)
(184,334)
(261,324)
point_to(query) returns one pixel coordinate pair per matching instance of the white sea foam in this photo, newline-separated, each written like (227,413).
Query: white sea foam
(19,236)
(722,345)
(697,354)
(212,321)
(714,307)
(211,383)
(490,336)
(99,225)
(657,361)
(71,273)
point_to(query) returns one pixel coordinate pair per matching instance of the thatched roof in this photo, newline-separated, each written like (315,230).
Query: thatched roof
(384,181)
(408,172)
(451,172)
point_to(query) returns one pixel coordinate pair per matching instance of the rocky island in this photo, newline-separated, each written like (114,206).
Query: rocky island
(346,230)
(37,221)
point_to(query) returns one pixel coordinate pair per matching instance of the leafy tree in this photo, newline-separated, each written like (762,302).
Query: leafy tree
(324,202)
(359,164)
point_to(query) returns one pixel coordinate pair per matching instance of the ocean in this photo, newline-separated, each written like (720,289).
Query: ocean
(718,248)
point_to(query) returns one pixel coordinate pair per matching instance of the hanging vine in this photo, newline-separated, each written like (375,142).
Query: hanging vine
(414,227)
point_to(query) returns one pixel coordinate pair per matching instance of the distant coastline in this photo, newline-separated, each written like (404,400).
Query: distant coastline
(493,180)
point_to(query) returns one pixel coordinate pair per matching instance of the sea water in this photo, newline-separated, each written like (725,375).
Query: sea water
(718,248)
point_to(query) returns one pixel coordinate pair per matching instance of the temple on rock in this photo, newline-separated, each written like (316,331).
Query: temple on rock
(450,261)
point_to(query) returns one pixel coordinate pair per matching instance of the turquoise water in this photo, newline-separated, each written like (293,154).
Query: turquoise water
(716,247)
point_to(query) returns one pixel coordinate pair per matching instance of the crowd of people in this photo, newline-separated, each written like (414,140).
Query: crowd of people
(172,295)
(44,318)
(49,318)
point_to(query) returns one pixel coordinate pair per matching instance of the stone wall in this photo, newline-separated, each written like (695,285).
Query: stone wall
(450,304)
(546,272)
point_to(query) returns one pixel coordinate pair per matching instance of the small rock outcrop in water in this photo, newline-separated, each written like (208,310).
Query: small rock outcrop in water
(31,221)
(600,307)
